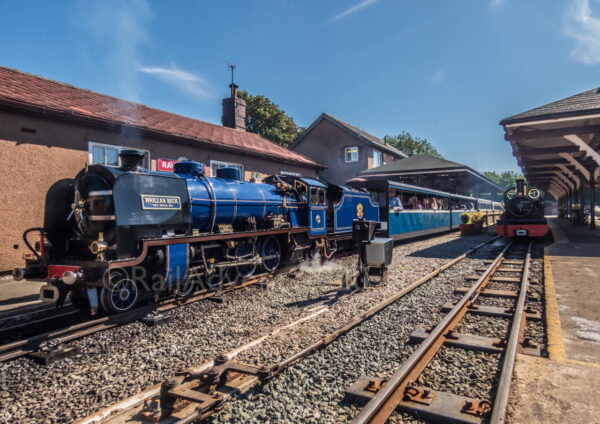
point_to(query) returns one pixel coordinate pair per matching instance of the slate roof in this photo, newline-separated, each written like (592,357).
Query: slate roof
(424,163)
(19,89)
(365,136)
(579,104)
(421,162)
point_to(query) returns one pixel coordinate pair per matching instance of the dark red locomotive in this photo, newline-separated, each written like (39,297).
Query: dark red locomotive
(523,212)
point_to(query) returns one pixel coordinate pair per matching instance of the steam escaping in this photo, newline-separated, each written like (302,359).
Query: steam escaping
(317,265)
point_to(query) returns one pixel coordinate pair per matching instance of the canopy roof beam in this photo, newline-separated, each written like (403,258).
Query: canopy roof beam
(576,164)
(584,147)
(572,176)
(537,133)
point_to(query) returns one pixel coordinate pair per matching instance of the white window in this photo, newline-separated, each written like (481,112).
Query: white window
(107,154)
(293,174)
(217,164)
(377,158)
(351,154)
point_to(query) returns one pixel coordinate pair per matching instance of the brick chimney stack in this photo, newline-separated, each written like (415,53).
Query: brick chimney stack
(234,110)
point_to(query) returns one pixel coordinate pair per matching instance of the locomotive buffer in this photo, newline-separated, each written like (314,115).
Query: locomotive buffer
(374,253)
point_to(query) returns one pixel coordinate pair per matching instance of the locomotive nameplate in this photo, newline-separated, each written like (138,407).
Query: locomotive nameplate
(152,201)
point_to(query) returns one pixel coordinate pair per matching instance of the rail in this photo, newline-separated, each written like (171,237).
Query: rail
(398,387)
(233,377)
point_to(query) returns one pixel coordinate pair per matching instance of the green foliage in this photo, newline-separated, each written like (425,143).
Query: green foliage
(472,217)
(465,218)
(411,145)
(266,118)
(504,179)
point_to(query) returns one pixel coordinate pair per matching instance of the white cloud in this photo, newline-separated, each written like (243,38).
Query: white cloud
(351,10)
(584,28)
(186,81)
(121,27)
(439,77)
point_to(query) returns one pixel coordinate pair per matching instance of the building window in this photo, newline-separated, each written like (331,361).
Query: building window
(217,164)
(107,154)
(351,154)
(293,174)
(377,158)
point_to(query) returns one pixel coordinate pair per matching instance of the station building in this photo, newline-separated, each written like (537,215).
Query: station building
(345,149)
(50,130)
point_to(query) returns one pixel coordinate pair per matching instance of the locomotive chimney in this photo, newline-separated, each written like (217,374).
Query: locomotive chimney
(234,110)
(131,160)
(520,187)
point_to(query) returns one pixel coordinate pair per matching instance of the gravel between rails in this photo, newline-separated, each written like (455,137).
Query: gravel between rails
(312,390)
(476,374)
(120,362)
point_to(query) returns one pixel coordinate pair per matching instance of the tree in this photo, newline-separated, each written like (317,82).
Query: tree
(265,118)
(411,145)
(504,179)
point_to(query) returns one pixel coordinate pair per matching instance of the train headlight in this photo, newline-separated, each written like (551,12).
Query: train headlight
(70,277)
(534,193)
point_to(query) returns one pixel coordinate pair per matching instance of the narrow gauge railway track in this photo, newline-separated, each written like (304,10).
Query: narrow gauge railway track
(46,345)
(194,394)
(402,392)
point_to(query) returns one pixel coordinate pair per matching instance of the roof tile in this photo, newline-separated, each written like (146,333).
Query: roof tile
(41,92)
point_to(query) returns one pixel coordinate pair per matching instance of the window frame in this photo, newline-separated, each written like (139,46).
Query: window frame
(377,154)
(119,149)
(350,150)
(290,173)
(225,165)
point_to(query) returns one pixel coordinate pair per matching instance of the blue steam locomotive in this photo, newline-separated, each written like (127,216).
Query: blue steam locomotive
(114,236)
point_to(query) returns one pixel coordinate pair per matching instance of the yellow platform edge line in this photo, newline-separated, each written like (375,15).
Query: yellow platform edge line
(556,344)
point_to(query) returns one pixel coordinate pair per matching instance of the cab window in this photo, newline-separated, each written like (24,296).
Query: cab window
(314,196)
(322,196)
(301,189)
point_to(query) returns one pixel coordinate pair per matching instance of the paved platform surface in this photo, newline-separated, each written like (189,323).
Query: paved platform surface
(566,387)
(16,294)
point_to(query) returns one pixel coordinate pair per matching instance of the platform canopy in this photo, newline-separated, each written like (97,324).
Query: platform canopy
(436,173)
(557,145)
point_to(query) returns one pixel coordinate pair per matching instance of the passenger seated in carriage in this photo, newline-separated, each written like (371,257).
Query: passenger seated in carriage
(396,201)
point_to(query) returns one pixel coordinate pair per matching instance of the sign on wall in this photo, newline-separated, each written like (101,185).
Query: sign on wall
(165,164)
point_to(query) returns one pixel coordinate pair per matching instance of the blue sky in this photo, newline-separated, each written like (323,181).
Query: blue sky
(446,70)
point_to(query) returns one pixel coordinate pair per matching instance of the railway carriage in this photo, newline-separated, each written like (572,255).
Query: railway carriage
(421,211)
(113,236)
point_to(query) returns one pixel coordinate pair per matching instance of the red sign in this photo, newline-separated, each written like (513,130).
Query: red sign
(165,164)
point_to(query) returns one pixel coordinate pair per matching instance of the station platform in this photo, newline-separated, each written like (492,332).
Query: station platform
(565,387)
(18,294)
